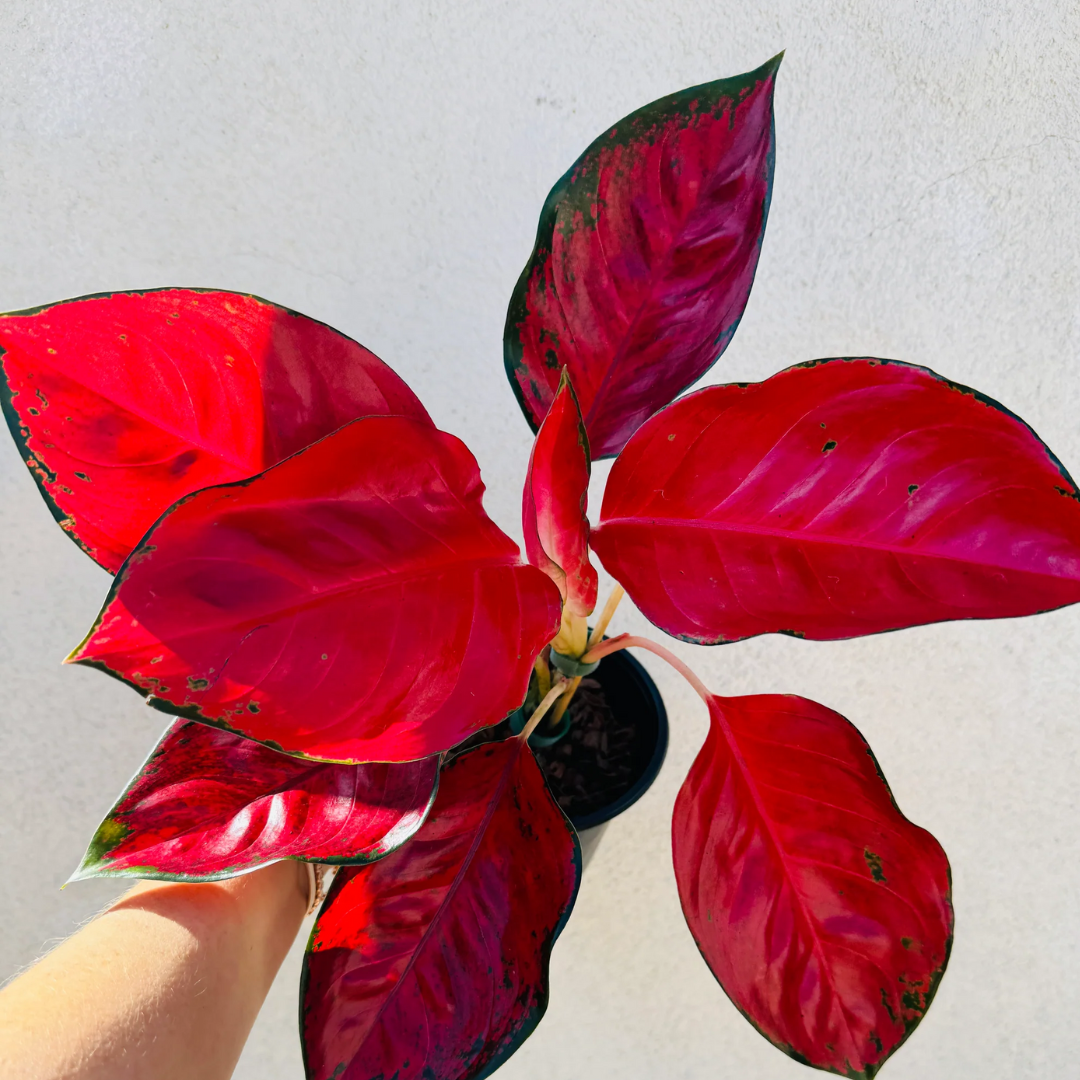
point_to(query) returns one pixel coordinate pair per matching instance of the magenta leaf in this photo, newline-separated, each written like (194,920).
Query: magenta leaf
(209,804)
(644,257)
(838,498)
(124,403)
(432,964)
(555,501)
(823,912)
(353,603)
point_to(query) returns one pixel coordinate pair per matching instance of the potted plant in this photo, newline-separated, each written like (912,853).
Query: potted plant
(364,672)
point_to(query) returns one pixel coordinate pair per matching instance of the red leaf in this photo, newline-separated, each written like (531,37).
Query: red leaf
(555,501)
(123,404)
(353,603)
(433,963)
(838,498)
(823,912)
(209,804)
(644,257)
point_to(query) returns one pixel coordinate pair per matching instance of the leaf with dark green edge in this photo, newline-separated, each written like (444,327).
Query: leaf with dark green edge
(822,911)
(555,502)
(354,603)
(839,498)
(209,805)
(644,257)
(433,963)
(122,403)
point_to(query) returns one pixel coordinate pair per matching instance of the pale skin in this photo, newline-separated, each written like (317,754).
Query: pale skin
(163,985)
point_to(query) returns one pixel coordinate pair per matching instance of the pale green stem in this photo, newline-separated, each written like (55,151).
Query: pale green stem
(550,698)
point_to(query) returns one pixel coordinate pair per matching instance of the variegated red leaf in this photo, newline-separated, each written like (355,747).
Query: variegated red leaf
(126,402)
(209,804)
(555,503)
(644,257)
(838,498)
(823,912)
(353,603)
(432,964)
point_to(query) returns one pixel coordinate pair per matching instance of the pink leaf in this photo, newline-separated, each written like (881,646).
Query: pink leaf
(838,498)
(124,403)
(823,912)
(209,804)
(555,501)
(433,962)
(353,603)
(644,257)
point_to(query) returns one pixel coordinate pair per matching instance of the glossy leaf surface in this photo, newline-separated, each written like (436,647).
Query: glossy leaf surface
(644,257)
(354,603)
(823,912)
(555,503)
(124,403)
(835,499)
(433,963)
(209,804)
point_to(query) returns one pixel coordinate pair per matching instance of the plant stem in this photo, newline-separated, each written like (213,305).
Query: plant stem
(578,629)
(541,710)
(605,616)
(543,674)
(626,641)
(564,702)
(573,636)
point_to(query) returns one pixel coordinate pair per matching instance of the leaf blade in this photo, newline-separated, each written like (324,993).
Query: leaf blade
(644,257)
(123,403)
(209,805)
(822,911)
(555,503)
(354,603)
(394,980)
(846,497)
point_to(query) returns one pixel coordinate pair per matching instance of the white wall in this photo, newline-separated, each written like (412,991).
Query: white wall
(381,166)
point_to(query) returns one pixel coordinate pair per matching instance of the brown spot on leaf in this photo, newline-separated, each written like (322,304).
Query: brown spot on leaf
(873,861)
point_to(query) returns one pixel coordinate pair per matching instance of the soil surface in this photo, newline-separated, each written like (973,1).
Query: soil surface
(596,762)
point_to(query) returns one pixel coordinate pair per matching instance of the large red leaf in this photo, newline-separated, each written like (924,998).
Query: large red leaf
(124,403)
(823,912)
(838,498)
(433,963)
(209,804)
(644,257)
(555,501)
(353,603)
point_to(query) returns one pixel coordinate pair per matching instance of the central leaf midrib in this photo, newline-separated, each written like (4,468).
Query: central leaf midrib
(155,422)
(739,762)
(466,566)
(459,877)
(797,537)
(663,268)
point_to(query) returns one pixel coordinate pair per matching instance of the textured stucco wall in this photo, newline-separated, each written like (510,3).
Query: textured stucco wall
(380,166)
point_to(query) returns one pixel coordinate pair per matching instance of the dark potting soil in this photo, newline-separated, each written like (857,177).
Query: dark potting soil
(596,762)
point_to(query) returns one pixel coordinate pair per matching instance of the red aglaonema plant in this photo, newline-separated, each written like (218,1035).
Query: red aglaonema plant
(306,579)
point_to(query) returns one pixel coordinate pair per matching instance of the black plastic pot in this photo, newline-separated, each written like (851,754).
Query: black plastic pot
(633,697)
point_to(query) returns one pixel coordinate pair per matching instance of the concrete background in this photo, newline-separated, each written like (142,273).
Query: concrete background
(381,166)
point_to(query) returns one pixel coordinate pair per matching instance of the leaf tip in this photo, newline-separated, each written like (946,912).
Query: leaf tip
(87,869)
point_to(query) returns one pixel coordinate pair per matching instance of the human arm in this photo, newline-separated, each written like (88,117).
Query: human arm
(165,984)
